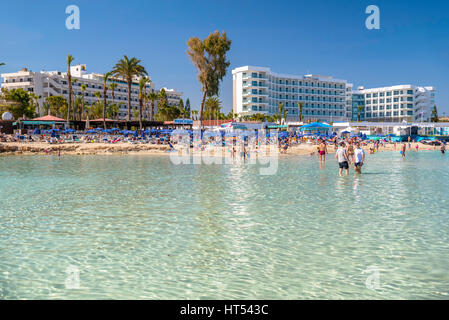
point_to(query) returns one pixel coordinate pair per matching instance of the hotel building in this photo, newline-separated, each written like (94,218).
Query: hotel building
(398,103)
(55,83)
(259,90)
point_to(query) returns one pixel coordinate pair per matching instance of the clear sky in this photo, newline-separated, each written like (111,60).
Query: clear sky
(294,37)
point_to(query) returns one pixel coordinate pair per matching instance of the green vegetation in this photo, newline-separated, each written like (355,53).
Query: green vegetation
(434,116)
(127,69)
(209,58)
(18,102)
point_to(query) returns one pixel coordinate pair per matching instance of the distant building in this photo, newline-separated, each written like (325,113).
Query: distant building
(259,90)
(55,83)
(398,103)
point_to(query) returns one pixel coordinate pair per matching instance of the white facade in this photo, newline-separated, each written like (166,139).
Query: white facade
(398,103)
(55,83)
(258,90)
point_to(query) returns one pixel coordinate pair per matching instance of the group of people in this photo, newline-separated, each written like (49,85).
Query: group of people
(346,154)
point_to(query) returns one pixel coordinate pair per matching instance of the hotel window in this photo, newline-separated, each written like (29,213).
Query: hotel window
(409,106)
(395,113)
(388,94)
(254,75)
(375,101)
(374,95)
(409,91)
(388,100)
(382,94)
(409,113)
(388,106)
(382,101)
(396,100)
(396,93)
(388,114)
(410,99)
(368,95)
(368,115)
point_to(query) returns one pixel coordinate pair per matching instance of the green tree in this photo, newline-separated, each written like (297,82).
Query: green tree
(127,69)
(359,113)
(153,97)
(70,59)
(300,107)
(188,108)
(19,103)
(105,95)
(83,90)
(142,84)
(212,108)
(209,57)
(434,115)
(280,112)
(113,86)
(57,105)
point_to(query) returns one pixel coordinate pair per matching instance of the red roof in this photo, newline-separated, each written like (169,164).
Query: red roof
(49,118)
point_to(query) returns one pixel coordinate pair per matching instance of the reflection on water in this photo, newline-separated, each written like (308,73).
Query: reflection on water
(141,227)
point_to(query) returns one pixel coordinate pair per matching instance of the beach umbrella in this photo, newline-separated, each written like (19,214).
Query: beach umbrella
(36,131)
(136,134)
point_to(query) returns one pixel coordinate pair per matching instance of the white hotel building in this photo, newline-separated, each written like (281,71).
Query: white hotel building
(55,83)
(398,103)
(258,90)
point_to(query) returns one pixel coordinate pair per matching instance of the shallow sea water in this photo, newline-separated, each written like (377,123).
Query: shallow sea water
(140,227)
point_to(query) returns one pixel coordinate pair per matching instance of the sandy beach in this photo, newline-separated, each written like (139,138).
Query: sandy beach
(42,148)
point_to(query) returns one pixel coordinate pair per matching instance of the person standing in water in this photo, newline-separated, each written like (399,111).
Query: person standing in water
(342,158)
(359,158)
(443,148)
(351,152)
(323,150)
(404,147)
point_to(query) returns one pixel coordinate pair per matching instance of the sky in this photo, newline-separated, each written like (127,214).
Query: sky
(293,37)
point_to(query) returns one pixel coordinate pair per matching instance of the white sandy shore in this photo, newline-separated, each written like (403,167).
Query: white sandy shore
(42,148)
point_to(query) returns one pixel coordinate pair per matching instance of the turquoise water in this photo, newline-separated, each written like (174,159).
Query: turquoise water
(139,227)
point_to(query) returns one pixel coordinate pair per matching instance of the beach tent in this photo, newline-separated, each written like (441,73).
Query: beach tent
(315,126)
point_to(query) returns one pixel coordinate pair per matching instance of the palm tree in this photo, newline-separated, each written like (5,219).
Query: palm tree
(280,110)
(105,92)
(194,114)
(142,83)
(113,86)
(70,59)
(83,89)
(127,69)
(359,112)
(152,96)
(285,116)
(300,106)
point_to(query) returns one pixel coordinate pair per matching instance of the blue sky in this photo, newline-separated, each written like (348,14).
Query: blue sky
(295,37)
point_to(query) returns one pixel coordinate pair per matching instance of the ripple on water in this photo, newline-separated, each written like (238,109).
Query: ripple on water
(138,227)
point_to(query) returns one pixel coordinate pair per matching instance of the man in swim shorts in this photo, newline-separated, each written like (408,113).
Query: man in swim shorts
(342,157)
(323,150)
(359,158)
